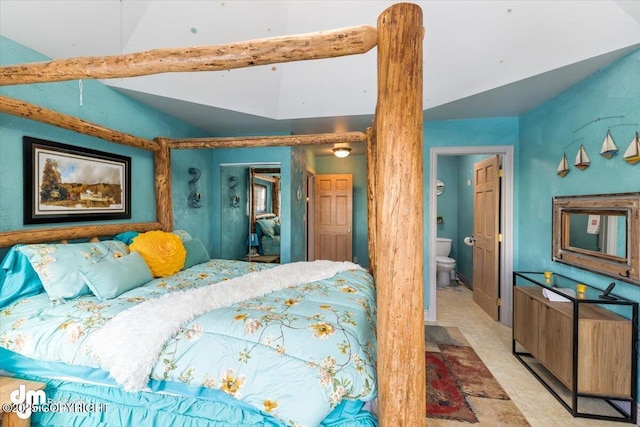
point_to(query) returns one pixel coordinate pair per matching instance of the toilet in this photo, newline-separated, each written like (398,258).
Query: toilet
(444,264)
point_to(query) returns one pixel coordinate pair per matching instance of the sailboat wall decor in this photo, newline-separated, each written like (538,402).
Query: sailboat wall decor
(632,154)
(609,148)
(563,167)
(582,160)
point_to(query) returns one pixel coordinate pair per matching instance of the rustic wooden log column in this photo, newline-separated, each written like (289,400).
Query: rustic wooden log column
(399,218)
(164,205)
(371,196)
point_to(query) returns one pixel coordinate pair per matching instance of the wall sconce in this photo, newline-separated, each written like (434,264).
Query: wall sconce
(195,197)
(341,152)
(235,198)
(299,194)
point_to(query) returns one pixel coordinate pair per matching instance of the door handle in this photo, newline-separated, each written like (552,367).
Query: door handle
(348,230)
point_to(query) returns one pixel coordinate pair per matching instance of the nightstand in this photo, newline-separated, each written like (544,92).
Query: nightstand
(270,259)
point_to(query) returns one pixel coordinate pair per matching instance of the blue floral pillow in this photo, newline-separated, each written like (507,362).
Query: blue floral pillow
(57,264)
(109,279)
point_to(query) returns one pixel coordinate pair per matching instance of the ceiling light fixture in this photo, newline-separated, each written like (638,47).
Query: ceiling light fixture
(341,151)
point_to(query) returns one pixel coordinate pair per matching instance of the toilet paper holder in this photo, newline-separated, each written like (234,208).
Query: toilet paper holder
(469,240)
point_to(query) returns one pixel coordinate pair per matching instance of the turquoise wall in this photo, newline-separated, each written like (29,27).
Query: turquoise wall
(298,199)
(233,242)
(459,133)
(107,107)
(556,127)
(355,165)
(551,129)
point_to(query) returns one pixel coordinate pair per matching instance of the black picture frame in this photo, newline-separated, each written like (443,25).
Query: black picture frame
(66,183)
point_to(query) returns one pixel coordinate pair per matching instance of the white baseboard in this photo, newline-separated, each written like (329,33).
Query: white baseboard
(426,316)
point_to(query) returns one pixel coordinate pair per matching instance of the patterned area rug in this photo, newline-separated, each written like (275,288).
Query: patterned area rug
(460,388)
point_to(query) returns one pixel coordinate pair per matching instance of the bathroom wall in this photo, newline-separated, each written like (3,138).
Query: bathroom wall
(448,203)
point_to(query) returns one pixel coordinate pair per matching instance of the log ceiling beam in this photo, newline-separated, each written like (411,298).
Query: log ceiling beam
(23,109)
(319,45)
(270,141)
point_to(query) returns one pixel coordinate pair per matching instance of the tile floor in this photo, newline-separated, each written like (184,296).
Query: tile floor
(492,341)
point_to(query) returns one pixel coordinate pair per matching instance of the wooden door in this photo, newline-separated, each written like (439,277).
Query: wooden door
(333,217)
(486,220)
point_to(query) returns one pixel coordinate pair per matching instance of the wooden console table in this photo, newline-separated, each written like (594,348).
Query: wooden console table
(588,348)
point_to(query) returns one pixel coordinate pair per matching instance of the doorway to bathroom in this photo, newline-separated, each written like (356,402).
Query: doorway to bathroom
(439,224)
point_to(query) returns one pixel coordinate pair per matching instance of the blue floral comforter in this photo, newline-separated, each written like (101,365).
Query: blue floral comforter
(294,354)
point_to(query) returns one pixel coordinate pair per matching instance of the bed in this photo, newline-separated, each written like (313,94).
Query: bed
(394,187)
(268,231)
(231,356)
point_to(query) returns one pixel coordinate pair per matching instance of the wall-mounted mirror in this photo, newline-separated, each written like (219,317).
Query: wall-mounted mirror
(600,233)
(248,193)
(265,213)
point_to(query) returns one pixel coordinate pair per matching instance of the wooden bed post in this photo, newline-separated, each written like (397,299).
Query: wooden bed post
(371,196)
(399,226)
(164,206)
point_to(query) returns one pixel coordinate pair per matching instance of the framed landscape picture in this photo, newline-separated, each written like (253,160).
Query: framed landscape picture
(64,183)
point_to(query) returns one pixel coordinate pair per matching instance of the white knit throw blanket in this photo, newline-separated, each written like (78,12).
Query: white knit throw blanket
(128,345)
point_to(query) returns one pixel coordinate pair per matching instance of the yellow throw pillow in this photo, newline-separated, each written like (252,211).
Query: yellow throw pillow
(163,252)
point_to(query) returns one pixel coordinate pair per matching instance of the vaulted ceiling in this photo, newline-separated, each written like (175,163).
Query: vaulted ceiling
(481,58)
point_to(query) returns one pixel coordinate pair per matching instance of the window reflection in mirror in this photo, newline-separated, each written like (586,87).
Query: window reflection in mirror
(606,234)
(259,198)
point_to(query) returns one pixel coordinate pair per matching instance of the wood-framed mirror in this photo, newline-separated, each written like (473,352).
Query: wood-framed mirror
(239,209)
(264,213)
(599,233)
